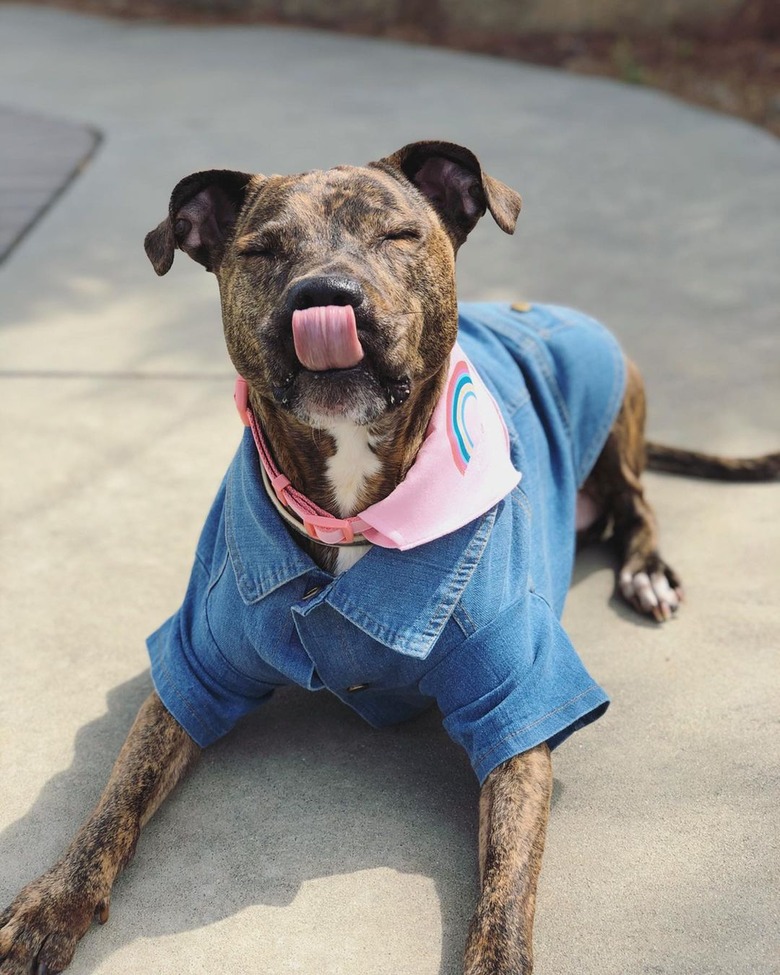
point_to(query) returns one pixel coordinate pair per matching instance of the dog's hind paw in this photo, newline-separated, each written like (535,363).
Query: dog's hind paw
(653,589)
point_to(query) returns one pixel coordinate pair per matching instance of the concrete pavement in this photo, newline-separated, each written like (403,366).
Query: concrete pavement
(307,841)
(38,159)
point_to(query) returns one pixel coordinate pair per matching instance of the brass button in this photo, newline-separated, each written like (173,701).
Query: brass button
(311,592)
(521,306)
(357,687)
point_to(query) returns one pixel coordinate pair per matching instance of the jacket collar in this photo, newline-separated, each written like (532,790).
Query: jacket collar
(265,558)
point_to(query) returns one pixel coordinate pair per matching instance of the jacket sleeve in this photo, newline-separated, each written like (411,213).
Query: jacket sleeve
(513,684)
(197,683)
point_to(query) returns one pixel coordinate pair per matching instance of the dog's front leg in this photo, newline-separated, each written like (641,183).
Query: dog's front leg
(40,930)
(513,810)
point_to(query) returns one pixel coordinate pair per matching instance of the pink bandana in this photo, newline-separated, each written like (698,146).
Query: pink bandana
(463,468)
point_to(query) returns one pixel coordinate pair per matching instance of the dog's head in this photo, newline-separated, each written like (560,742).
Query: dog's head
(337,286)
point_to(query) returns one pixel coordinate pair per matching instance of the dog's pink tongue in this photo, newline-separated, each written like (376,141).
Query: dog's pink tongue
(326,337)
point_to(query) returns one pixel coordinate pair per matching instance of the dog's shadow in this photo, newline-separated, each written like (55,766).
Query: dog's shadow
(303,789)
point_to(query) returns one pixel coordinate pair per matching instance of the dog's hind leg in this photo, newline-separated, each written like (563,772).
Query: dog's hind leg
(514,807)
(41,928)
(615,486)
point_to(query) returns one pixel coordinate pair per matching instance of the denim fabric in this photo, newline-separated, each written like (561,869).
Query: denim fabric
(469,621)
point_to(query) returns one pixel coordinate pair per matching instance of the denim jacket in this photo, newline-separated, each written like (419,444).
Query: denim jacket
(469,621)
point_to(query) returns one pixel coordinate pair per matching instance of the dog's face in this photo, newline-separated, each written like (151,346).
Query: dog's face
(337,286)
(347,238)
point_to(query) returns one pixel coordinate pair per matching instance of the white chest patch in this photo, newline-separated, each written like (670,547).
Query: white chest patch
(351,466)
(348,470)
(348,556)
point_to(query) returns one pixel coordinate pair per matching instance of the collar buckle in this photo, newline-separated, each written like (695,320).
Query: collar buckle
(331,531)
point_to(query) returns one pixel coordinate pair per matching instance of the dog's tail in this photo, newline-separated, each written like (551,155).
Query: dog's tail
(691,463)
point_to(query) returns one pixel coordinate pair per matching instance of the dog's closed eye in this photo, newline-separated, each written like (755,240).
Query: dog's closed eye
(265,242)
(402,233)
(258,252)
(259,247)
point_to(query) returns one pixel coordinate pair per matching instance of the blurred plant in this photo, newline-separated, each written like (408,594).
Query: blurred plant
(625,61)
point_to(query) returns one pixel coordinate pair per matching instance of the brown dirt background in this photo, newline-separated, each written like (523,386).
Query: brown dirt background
(732,67)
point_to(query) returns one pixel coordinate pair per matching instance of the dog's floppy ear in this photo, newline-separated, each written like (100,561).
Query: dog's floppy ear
(453,180)
(201,214)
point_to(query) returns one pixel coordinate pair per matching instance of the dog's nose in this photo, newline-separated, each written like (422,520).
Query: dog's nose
(320,290)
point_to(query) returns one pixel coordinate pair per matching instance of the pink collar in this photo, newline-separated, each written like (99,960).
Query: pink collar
(462,470)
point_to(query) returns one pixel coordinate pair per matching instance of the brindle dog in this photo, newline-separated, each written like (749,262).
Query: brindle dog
(381,238)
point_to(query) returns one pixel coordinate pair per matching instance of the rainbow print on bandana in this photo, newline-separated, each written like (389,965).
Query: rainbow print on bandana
(461,408)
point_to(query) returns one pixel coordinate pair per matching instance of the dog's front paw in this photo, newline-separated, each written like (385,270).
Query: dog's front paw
(41,928)
(652,588)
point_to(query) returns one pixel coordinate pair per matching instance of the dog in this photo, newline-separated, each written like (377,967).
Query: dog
(399,523)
